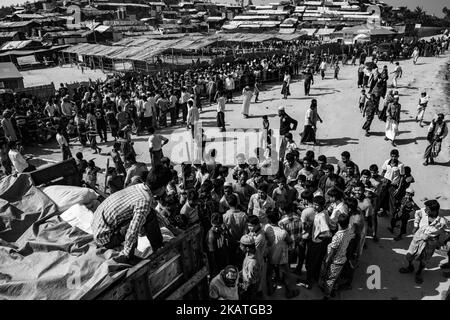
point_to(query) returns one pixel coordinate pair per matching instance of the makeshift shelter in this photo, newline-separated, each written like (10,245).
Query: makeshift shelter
(10,77)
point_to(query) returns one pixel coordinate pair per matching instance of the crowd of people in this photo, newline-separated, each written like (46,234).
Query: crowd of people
(256,222)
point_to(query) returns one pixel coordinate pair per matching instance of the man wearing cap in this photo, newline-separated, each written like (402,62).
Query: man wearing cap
(251,268)
(286,122)
(224,286)
(407,205)
(429,232)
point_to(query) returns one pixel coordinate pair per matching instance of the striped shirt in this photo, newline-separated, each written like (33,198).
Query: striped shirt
(130,204)
(293,225)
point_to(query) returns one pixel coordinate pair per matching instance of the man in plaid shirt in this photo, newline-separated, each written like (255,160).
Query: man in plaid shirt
(128,212)
(292,223)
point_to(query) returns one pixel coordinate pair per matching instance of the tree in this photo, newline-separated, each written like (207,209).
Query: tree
(446,11)
(419,13)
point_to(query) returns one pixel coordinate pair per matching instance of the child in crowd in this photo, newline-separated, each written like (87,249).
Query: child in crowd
(115,155)
(91,174)
(81,164)
(336,70)
(114,182)
(362,100)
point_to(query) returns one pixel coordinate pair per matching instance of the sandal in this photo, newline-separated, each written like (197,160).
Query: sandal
(406,269)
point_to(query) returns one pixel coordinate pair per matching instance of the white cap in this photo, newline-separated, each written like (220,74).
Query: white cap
(280,108)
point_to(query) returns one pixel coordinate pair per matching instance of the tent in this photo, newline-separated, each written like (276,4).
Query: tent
(361,38)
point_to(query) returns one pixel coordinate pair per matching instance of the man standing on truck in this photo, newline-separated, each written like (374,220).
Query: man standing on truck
(124,213)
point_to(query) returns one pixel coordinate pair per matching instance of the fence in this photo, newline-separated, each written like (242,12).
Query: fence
(42,92)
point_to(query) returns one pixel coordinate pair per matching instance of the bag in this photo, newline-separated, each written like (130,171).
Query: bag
(66,196)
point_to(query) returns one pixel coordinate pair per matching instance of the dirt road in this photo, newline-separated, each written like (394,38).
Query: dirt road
(341,130)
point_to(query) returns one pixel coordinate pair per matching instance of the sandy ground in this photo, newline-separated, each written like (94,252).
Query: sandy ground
(57,75)
(341,130)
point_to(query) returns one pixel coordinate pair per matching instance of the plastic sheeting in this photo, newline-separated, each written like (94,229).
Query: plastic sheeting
(44,257)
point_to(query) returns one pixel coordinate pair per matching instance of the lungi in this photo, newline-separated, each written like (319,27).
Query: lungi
(391,129)
(309,134)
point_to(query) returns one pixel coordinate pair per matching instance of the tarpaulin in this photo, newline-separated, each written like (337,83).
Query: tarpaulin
(51,259)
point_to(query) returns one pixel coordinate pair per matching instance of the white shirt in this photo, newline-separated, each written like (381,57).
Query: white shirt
(184,97)
(148,108)
(221,104)
(18,161)
(393,173)
(338,209)
(155,141)
(229,83)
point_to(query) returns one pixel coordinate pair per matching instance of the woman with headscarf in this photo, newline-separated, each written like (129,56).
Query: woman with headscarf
(246,100)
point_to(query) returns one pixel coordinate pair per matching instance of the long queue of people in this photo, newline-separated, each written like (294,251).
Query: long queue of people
(255,225)
(309,215)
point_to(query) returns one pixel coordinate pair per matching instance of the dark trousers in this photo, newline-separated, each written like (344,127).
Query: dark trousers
(184,111)
(66,154)
(147,123)
(156,157)
(250,294)
(301,248)
(307,87)
(173,117)
(392,200)
(229,95)
(372,223)
(368,122)
(221,119)
(314,257)
(101,130)
(404,220)
(152,231)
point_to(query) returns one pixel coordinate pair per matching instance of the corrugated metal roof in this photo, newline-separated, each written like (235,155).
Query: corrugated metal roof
(9,71)
(8,34)
(16,24)
(11,45)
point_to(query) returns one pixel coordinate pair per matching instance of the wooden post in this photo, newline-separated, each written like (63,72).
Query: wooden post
(106,173)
